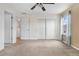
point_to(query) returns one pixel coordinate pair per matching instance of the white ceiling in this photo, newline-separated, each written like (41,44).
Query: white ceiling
(50,8)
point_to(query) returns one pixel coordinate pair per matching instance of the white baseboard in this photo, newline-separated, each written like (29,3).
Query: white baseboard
(24,38)
(75,47)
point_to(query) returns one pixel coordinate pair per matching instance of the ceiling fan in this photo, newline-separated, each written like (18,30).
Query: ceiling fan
(41,5)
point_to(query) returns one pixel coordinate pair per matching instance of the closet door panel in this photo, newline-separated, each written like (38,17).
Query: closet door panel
(37,28)
(25,27)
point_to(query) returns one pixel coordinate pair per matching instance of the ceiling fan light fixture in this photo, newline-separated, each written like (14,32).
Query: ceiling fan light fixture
(41,5)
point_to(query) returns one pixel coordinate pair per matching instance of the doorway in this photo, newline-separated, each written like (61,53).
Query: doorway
(66,28)
(8,24)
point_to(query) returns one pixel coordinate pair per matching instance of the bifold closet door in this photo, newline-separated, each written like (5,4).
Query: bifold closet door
(25,27)
(7,26)
(51,29)
(37,28)
(32,28)
(41,28)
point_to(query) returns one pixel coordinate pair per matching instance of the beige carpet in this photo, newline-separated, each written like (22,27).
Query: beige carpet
(39,48)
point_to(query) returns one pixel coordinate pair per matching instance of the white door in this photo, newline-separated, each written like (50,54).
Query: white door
(37,28)
(33,28)
(25,27)
(41,28)
(8,36)
(51,29)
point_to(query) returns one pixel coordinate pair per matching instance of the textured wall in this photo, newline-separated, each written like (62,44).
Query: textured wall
(75,26)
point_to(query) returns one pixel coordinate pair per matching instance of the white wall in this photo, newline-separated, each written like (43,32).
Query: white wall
(1,30)
(53,27)
(7,25)
(34,28)
(37,28)
(18,27)
(25,27)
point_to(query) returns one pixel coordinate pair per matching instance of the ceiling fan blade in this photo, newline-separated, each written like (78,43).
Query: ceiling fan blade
(42,7)
(48,3)
(34,6)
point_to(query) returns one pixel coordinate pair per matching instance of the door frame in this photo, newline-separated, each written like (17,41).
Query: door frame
(11,25)
(69,29)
